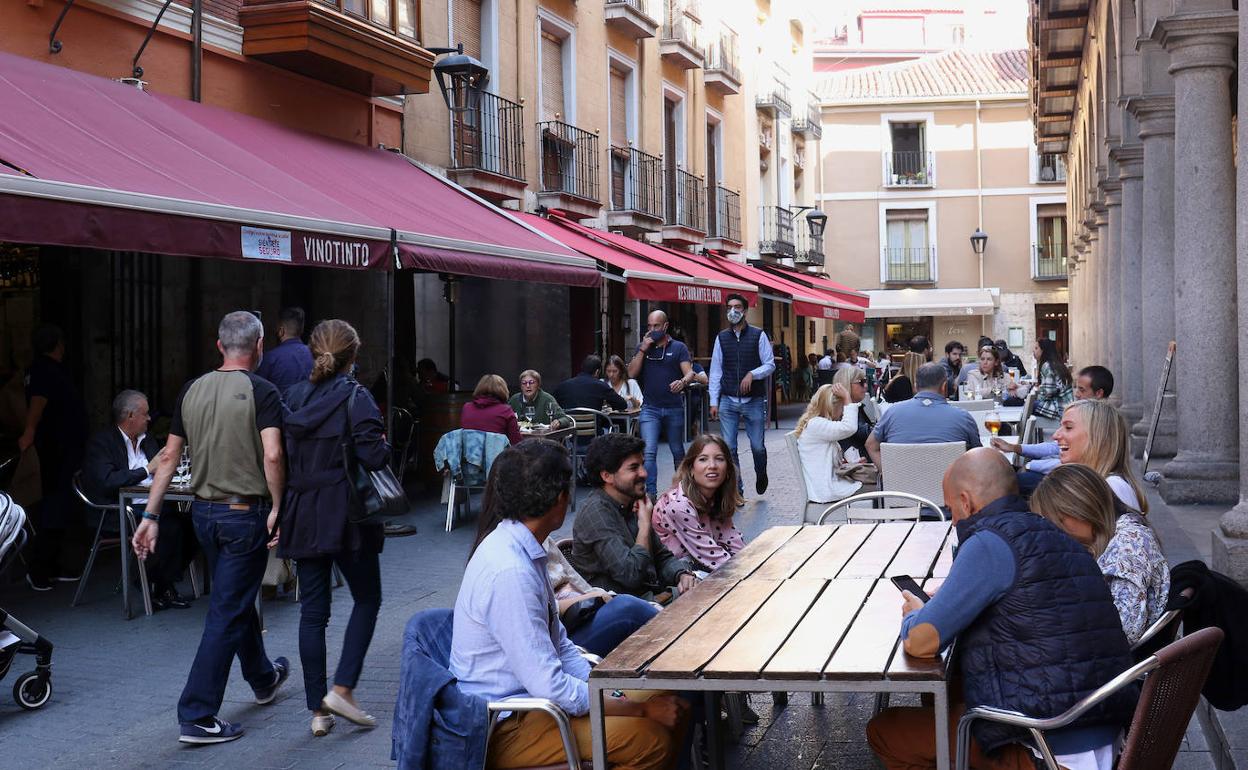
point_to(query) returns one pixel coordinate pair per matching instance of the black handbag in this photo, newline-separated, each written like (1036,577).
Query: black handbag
(373,493)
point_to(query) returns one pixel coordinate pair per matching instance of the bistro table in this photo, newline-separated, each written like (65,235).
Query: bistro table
(800,609)
(625,419)
(176,493)
(560,435)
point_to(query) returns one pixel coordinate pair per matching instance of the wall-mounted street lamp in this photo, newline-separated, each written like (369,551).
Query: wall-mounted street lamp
(816,220)
(458,72)
(979,240)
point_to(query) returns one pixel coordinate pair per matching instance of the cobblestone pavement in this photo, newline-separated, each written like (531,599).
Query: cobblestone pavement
(116,683)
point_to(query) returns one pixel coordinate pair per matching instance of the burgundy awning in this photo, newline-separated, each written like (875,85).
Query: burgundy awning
(807,302)
(104,165)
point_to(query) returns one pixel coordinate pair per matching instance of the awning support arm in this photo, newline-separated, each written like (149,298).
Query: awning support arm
(54,45)
(136,69)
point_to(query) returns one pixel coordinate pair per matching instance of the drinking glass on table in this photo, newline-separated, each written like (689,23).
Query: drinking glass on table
(183,474)
(529,413)
(550,415)
(993,422)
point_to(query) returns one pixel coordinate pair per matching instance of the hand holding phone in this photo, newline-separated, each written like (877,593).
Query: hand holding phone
(907,583)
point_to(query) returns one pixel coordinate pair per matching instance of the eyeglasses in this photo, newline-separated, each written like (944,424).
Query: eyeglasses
(528,382)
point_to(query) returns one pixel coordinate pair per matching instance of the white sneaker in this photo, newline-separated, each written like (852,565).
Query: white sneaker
(321,725)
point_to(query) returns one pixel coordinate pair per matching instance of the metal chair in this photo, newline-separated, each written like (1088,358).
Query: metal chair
(908,513)
(121,541)
(589,424)
(402,427)
(1174,678)
(795,455)
(922,467)
(1163,631)
(451,485)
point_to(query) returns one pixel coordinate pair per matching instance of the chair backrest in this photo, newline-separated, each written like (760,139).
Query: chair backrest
(587,421)
(77,485)
(1029,431)
(979,405)
(1167,701)
(853,514)
(790,441)
(918,469)
(1029,405)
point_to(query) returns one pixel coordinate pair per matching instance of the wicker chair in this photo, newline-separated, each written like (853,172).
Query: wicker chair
(922,467)
(1175,676)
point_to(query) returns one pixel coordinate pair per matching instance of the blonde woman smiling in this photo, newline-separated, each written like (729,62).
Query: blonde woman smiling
(1094,433)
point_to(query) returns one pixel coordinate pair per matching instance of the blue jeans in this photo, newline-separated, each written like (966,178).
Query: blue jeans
(614,622)
(233,540)
(1027,483)
(654,419)
(731,411)
(363,575)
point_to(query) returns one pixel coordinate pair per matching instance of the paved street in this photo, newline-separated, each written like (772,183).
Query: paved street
(116,683)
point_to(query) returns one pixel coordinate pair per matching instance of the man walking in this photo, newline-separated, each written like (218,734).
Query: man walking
(664,368)
(232,420)
(291,361)
(740,364)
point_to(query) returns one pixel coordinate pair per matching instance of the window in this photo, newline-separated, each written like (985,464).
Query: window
(552,77)
(1050,241)
(957,34)
(907,252)
(466,26)
(379,12)
(907,161)
(619,106)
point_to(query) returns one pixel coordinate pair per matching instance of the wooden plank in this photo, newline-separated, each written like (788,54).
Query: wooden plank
(811,644)
(907,667)
(876,554)
(755,553)
(792,555)
(868,646)
(945,560)
(917,555)
(833,554)
(748,651)
(688,654)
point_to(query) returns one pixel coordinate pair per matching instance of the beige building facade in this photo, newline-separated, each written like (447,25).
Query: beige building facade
(912,171)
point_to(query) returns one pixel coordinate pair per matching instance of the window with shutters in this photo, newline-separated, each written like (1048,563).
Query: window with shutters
(553,107)
(908,251)
(619,107)
(466,26)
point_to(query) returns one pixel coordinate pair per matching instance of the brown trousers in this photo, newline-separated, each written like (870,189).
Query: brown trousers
(905,739)
(532,739)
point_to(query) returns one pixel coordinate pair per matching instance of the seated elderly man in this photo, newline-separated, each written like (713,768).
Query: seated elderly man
(1037,632)
(928,418)
(508,640)
(124,456)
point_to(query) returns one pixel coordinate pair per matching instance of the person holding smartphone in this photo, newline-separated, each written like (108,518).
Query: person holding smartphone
(664,368)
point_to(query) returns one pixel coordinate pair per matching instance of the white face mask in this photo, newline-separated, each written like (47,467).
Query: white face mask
(735,315)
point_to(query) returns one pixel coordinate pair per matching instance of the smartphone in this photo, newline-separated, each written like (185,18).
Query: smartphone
(907,583)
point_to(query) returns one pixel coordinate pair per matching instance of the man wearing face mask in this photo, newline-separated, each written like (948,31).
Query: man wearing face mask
(740,364)
(664,368)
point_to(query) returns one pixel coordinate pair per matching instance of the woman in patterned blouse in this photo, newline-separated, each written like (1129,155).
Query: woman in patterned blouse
(1077,499)
(694,518)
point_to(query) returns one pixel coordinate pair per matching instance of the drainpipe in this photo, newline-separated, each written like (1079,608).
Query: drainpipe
(197,49)
(979,195)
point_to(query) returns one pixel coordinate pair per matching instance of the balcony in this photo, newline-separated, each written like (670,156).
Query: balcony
(487,144)
(909,168)
(634,18)
(810,124)
(723,65)
(367,48)
(809,249)
(775,233)
(773,99)
(724,228)
(1050,168)
(569,180)
(684,215)
(1049,263)
(679,43)
(636,192)
(909,265)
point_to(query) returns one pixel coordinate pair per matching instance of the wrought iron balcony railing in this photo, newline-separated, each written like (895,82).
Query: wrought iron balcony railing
(809,249)
(644,7)
(486,133)
(569,159)
(636,182)
(721,55)
(681,23)
(909,264)
(725,215)
(685,198)
(774,96)
(1050,261)
(775,232)
(909,168)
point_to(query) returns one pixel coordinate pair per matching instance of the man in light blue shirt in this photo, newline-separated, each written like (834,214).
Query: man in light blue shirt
(925,419)
(508,640)
(740,365)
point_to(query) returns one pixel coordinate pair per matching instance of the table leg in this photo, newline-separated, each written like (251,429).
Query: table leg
(942,726)
(125,562)
(597,727)
(714,734)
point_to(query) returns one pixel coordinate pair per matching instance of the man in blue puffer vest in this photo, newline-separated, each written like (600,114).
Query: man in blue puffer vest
(1038,632)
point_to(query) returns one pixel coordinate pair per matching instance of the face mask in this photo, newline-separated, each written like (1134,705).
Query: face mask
(657,335)
(735,316)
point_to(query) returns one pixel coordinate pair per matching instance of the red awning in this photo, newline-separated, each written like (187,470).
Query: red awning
(105,165)
(807,302)
(839,290)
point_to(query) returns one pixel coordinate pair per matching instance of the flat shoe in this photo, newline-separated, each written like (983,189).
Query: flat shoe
(321,725)
(335,703)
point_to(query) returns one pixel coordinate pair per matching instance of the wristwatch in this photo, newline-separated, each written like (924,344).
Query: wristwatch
(151,516)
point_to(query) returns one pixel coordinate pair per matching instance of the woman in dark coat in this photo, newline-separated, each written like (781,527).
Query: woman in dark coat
(315,528)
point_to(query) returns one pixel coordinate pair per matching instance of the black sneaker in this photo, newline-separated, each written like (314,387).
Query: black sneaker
(176,600)
(760,484)
(281,670)
(211,730)
(38,583)
(63,577)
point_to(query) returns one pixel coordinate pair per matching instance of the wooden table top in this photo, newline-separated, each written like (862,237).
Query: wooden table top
(798,603)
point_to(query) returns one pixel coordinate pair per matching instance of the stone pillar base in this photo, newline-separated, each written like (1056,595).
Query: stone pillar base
(1230,544)
(1166,442)
(1192,479)
(1132,413)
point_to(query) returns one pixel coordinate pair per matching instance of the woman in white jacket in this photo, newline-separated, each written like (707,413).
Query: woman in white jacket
(832,415)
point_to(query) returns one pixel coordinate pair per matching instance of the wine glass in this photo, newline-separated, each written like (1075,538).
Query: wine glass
(184,467)
(550,415)
(993,422)
(529,413)
(996,391)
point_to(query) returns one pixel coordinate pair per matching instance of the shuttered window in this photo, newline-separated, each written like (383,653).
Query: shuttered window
(619,108)
(466,26)
(552,78)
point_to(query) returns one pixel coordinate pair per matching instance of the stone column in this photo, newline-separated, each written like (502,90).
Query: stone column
(1100,302)
(1202,56)
(1155,115)
(1111,296)
(1230,537)
(1129,377)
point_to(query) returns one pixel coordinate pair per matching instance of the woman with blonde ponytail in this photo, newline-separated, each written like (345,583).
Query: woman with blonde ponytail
(329,411)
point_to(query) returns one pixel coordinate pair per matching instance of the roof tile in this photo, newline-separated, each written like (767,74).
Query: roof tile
(956,72)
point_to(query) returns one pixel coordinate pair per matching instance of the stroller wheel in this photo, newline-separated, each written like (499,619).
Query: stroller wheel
(32,690)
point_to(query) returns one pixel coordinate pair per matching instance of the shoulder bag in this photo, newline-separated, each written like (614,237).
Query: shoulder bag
(373,493)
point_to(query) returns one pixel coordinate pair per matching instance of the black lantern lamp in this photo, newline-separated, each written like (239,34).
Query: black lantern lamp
(816,220)
(459,72)
(979,240)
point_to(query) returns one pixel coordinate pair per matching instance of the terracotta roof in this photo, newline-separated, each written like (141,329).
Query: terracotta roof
(956,72)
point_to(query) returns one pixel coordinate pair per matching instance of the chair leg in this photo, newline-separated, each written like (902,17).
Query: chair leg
(86,571)
(143,584)
(450,507)
(816,699)
(196,579)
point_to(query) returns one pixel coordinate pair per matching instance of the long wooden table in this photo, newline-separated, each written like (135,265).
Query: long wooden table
(800,609)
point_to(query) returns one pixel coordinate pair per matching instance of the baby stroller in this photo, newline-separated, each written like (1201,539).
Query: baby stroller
(34,688)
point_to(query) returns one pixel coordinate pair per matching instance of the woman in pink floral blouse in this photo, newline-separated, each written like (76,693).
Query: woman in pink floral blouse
(694,518)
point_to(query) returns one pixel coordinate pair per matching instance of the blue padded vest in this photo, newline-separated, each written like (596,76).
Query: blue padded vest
(739,358)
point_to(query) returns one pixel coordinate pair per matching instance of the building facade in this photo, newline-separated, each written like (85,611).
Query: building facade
(918,156)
